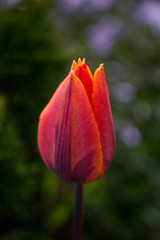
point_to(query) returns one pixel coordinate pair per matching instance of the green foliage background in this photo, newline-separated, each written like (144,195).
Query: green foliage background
(38,41)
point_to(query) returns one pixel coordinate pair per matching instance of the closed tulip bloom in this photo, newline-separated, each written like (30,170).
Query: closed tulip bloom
(75,132)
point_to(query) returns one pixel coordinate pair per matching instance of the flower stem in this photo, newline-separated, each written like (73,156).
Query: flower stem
(77,217)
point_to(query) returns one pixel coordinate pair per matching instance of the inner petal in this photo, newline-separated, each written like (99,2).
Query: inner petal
(85,76)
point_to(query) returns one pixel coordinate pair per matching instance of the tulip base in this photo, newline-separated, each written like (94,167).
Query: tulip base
(77,216)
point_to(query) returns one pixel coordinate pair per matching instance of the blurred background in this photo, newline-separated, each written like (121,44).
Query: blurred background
(38,42)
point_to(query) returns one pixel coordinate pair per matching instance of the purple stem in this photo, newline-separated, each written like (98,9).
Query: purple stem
(77,217)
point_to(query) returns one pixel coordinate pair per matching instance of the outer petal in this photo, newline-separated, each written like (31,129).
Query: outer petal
(85,139)
(54,131)
(103,114)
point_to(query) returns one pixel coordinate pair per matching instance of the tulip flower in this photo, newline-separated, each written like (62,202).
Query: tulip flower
(75,132)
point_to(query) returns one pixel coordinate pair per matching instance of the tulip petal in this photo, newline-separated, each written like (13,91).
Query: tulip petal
(84,74)
(102,110)
(85,139)
(54,131)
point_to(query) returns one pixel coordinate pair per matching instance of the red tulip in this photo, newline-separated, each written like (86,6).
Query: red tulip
(76,132)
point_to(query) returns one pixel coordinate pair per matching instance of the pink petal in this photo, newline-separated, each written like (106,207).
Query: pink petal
(102,110)
(54,131)
(85,139)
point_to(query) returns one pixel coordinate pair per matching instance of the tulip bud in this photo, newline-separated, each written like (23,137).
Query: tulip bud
(75,132)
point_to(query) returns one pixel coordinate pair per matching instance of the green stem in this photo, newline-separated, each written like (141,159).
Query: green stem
(77,217)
